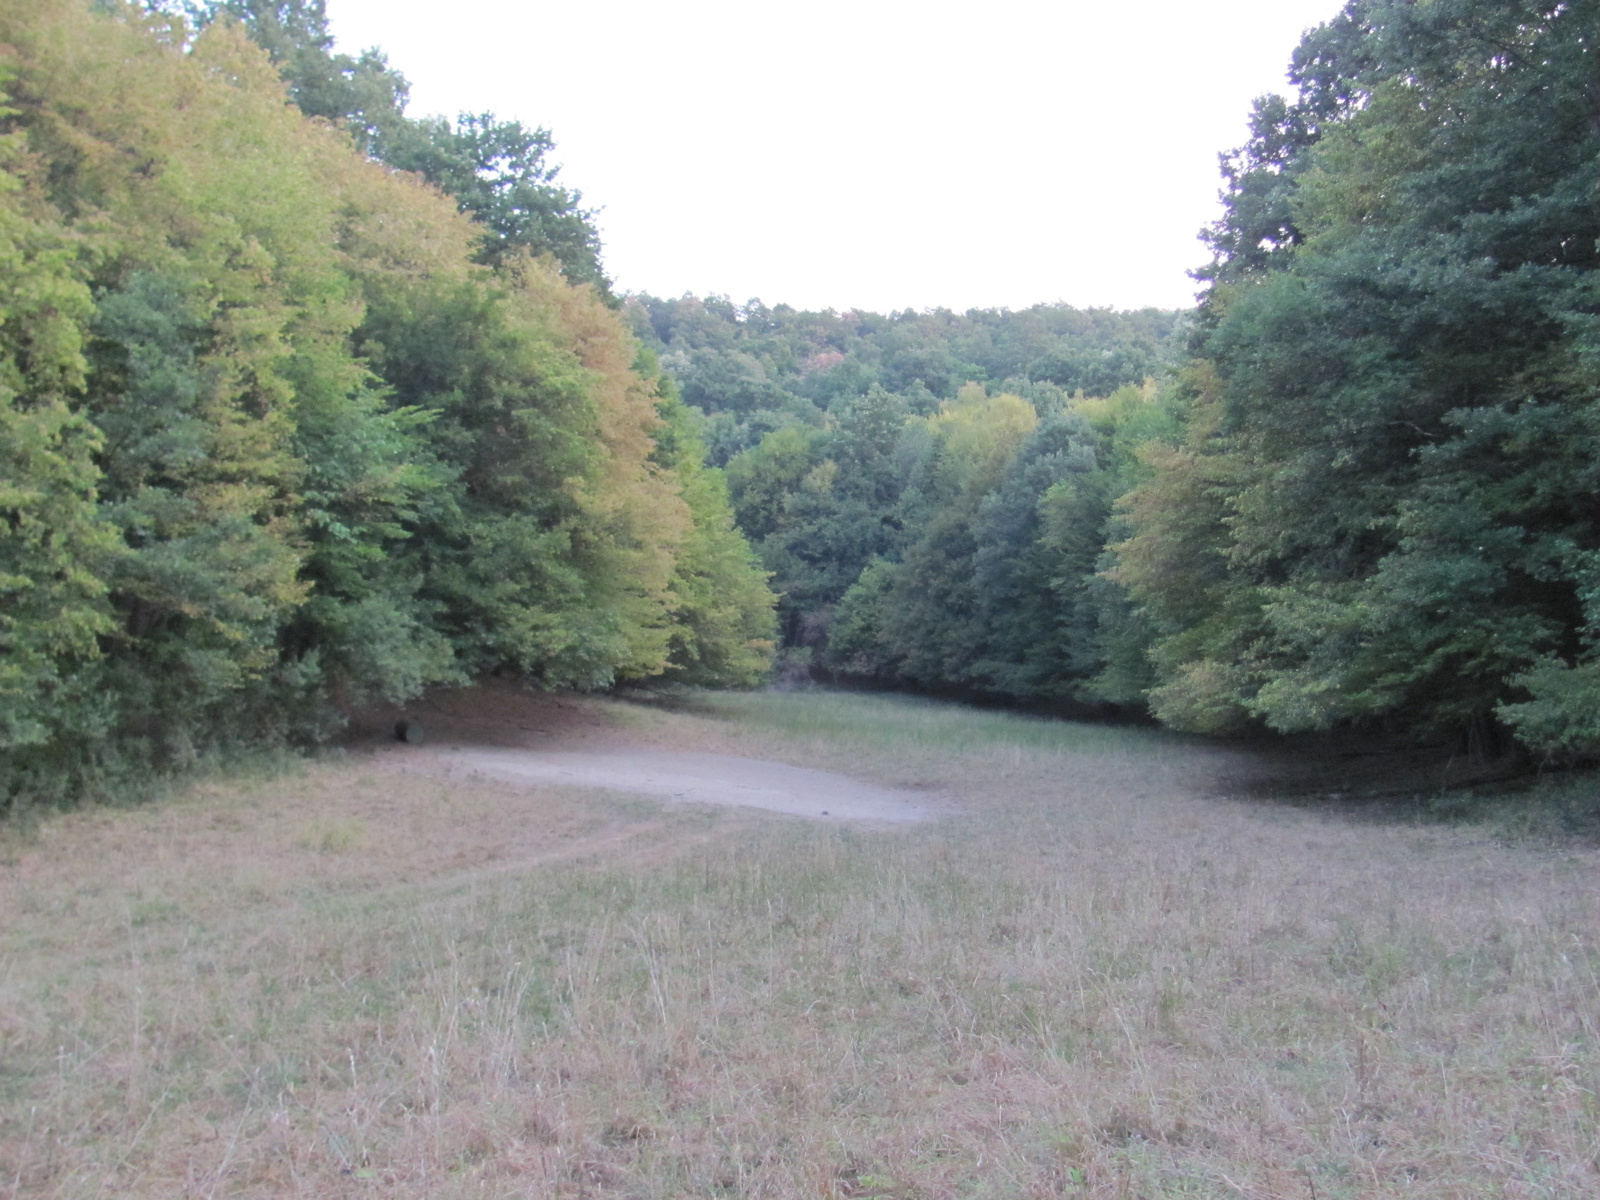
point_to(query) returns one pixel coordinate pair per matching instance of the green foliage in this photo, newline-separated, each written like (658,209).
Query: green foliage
(763,478)
(51,539)
(906,515)
(275,444)
(495,170)
(753,369)
(494,548)
(839,514)
(1563,716)
(928,624)
(362,91)
(1039,537)
(1390,514)
(857,645)
(725,630)
(285,430)
(954,544)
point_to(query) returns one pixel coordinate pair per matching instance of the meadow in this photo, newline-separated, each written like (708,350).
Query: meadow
(1115,965)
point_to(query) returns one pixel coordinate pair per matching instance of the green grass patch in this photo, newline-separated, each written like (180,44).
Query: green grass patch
(882,721)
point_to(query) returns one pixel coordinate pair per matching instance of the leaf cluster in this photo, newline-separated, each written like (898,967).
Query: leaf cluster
(496,171)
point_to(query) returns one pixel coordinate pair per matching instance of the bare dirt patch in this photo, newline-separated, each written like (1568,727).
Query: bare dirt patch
(696,778)
(504,733)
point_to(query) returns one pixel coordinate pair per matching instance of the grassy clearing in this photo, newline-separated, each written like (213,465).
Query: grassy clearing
(898,724)
(1094,978)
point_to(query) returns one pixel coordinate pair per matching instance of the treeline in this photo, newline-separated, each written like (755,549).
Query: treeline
(282,430)
(867,459)
(1385,508)
(306,403)
(752,370)
(1369,495)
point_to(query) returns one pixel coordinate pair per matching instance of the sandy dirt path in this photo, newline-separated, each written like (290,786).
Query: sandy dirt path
(510,735)
(696,778)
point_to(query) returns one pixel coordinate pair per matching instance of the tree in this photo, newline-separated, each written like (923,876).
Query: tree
(752,369)
(362,92)
(1400,320)
(495,170)
(930,624)
(725,631)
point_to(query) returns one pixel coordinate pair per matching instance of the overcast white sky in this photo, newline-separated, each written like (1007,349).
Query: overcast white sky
(880,154)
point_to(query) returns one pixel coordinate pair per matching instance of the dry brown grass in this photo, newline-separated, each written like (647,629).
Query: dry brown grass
(1098,978)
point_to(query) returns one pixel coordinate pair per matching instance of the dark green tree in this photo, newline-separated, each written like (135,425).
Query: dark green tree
(1402,323)
(1034,622)
(495,170)
(499,174)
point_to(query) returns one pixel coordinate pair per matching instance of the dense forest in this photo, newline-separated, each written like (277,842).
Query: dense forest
(753,370)
(861,448)
(1362,492)
(1383,506)
(306,402)
(965,551)
(285,429)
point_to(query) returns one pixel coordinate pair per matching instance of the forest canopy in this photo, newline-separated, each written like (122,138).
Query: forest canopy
(1360,494)
(870,457)
(306,402)
(280,436)
(1383,509)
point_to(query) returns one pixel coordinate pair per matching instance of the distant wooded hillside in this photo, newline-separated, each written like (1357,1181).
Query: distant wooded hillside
(752,369)
(869,456)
